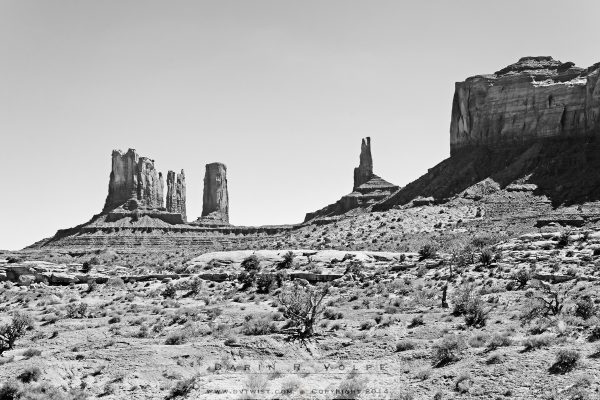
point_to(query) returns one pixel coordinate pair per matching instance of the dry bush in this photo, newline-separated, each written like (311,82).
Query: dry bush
(258,326)
(566,361)
(303,305)
(449,349)
(469,303)
(76,310)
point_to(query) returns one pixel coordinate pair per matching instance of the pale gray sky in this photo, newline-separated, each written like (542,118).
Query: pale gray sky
(280,91)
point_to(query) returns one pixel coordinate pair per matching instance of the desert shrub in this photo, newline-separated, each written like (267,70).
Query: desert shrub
(405,345)
(86,268)
(469,303)
(115,282)
(355,270)
(521,278)
(177,338)
(447,350)
(76,310)
(10,391)
(182,388)
(30,374)
(366,325)
(485,240)
(585,308)
(114,320)
(423,374)
(463,383)
(486,257)
(428,250)
(251,263)
(478,339)
(91,285)
(545,302)
(350,388)
(416,321)
(303,305)
(332,315)
(566,361)
(195,286)
(594,334)
(11,332)
(170,292)
(258,326)
(247,279)
(288,261)
(494,359)
(29,353)
(265,282)
(536,342)
(498,341)
(563,240)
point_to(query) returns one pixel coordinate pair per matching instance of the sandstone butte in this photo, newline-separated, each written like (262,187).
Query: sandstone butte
(533,125)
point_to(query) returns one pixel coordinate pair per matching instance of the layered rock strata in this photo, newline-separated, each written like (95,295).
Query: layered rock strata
(535,98)
(368,188)
(176,193)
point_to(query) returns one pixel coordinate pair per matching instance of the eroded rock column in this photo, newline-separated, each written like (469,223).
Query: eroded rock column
(216,198)
(176,193)
(364,172)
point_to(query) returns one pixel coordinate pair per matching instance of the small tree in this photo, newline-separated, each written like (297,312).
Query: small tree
(9,333)
(303,305)
(288,261)
(546,302)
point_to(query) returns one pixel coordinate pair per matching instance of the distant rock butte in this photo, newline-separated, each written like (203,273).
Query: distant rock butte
(368,188)
(133,177)
(136,188)
(535,98)
(215,204)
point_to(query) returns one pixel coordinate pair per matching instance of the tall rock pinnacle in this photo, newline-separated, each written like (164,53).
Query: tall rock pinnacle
(216,199)
(364,172)
(176,193)
(133,177)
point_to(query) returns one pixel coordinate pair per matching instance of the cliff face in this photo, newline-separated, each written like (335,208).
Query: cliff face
(535,98)
(176,193)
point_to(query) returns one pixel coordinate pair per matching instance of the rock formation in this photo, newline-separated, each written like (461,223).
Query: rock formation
(215,205)
(535,123)
(368,188)
(176,193)
(535,98)
(364,172)
(133,177)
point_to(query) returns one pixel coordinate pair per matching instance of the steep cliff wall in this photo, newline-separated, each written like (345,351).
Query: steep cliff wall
(535,98)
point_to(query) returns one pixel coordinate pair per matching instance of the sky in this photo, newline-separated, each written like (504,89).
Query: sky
(280,91)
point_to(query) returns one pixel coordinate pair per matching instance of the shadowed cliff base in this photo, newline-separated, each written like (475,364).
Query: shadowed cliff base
(565,170)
